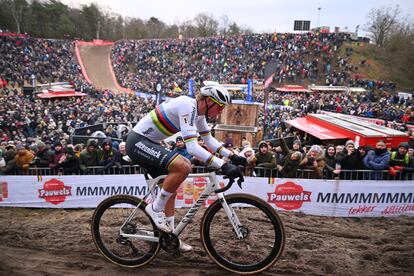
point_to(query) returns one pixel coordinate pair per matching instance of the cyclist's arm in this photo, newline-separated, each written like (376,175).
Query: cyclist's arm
(210,141)
(189,132)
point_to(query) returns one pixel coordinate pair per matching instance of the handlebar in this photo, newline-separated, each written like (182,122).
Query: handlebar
(228,186)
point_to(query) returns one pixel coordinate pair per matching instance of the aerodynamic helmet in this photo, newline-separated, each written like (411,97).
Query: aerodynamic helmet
(216,91)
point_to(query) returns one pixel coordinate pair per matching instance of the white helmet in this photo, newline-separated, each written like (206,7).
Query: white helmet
(216,91)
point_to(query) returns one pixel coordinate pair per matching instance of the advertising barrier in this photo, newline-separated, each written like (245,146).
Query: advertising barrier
(339,198)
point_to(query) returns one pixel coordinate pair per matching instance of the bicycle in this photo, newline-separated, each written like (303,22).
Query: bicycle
(130,238)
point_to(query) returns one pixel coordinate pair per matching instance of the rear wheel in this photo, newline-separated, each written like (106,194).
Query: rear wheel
(263,235)
(107,220)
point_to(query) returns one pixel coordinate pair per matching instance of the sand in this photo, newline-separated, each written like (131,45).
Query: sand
(58,242)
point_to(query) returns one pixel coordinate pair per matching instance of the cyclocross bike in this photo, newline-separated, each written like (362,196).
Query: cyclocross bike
(240,232)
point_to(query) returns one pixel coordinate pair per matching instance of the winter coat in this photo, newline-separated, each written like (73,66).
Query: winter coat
(316,172)
(375,162)
(23,160)
(110,157)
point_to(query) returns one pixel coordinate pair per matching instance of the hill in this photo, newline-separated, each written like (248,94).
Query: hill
(380,64)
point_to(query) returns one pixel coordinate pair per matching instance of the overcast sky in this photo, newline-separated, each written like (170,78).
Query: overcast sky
(259,15)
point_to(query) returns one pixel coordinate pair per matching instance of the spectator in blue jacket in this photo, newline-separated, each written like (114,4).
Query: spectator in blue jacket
(181,149)
(377,160)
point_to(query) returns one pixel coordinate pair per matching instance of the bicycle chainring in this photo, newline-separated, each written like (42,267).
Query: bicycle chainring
(170,243)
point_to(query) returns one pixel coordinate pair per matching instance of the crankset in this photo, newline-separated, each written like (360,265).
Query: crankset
(170,243)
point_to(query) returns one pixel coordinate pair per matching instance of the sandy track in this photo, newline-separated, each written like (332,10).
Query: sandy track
(95,59)
(57,242)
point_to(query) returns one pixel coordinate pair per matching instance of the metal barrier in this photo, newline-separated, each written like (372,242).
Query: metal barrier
(258,171)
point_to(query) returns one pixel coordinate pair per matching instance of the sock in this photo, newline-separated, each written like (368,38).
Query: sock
(170,221)
(161,201)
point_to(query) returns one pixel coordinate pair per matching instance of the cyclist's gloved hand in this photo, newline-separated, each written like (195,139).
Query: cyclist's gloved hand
(232,171)
(238,160)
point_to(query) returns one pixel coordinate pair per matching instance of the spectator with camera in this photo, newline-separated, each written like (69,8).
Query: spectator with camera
(347,159)
(69,162)
(291,165)
(43,155)
(314,161)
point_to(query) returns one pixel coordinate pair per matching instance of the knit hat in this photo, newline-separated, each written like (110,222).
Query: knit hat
(179,138)
(315,148)
(349,142)
(262,143)
(404,145)
(297,142)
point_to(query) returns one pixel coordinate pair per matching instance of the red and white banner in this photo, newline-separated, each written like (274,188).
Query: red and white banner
(339,198)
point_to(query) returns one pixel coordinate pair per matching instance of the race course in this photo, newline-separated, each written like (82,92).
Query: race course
(58,242)
(95,59)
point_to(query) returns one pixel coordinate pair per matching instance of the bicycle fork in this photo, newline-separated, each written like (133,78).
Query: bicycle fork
(231,214)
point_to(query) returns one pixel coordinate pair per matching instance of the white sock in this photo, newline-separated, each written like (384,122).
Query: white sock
(170,221)
(161,201)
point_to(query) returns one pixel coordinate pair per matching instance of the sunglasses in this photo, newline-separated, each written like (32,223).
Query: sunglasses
(217,102)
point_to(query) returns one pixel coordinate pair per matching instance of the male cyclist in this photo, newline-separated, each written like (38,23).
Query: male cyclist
(189,116)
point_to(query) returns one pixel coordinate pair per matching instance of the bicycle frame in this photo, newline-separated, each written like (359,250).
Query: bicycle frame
(209,189)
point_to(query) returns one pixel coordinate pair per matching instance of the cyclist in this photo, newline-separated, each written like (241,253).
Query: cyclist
(189,116)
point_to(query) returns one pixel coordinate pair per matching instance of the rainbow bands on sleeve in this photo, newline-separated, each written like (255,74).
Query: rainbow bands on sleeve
(161,121)
(204,133)
(189,138)
(219,149)
(210,160)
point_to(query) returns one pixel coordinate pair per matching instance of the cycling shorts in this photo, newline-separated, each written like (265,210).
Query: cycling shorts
(152,156)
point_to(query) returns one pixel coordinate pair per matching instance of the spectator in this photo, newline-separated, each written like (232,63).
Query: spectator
(69,162)
(181,149)
(401,161)
(314,161)
(265,159)
(377,160)
(248,153)
(123,153)
(56,157)
(347,161)
(109,157)
(43,155)
(291,165)
(90,156)
(23,158)
(330,159)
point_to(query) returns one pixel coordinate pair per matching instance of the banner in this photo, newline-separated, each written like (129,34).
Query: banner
(249,90)
(337,198)
(191,88)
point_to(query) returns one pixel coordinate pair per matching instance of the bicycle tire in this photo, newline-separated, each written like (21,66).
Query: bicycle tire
(212,245)
(97,233)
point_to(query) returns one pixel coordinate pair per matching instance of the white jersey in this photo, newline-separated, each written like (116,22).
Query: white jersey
(180,114)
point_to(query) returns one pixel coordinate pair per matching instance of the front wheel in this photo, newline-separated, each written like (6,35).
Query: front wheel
(263,234)
(130,244)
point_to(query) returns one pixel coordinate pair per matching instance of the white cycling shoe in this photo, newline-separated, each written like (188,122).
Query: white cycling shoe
(184,248)
(158,218)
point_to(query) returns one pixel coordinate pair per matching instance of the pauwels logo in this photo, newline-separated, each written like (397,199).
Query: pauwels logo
(55,191)
(289,196)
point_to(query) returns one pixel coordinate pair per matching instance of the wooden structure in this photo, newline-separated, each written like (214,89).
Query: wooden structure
(239,120)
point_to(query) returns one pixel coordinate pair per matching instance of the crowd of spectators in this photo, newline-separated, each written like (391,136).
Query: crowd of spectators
(24,59)
(399,112)
(35,132)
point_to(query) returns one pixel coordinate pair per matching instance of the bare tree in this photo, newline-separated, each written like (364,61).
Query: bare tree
(16,8)
(206,25)
(381,23)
